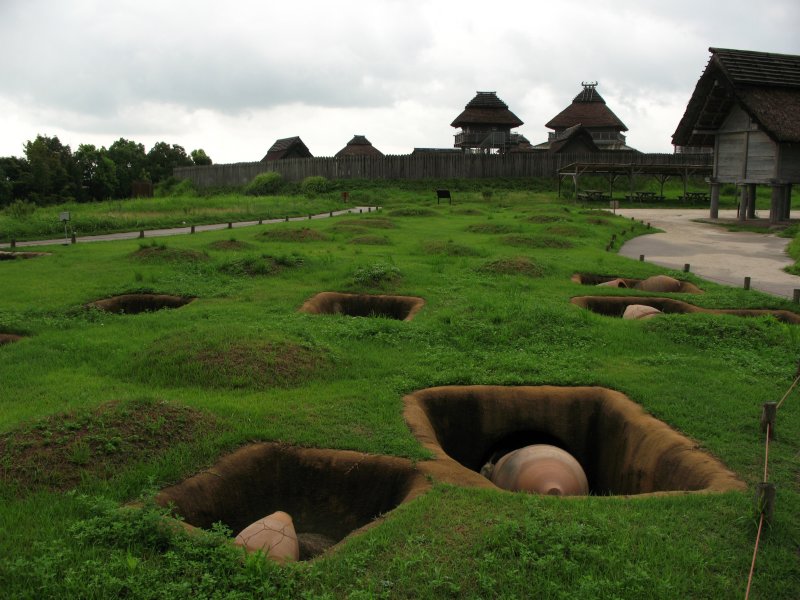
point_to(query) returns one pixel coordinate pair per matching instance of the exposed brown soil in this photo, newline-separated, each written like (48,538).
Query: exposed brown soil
(516,265)
(294,235)
(229,245)
(56,453)
(536,241)
(402,308)
(596,279)
(545,219)
(614,306)
(448,248)
(132,304)
(328,493)
(371,240)
(4,255)
(8,338)
(622,449)
(163,253)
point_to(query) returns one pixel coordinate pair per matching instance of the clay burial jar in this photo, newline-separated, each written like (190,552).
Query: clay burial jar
(659,283)
(638,312)
(541,469)
(617,283)
(274,535)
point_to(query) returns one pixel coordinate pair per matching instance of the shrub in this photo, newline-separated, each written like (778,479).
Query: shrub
(264,184)
(172,186)
(314,185)
(376,274)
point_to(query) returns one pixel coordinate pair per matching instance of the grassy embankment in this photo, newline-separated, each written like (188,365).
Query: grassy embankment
(219,364)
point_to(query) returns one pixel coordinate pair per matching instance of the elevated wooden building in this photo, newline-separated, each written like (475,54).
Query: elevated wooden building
(746,106)
(359,146)
(292,147)
(486,123)
(589,110)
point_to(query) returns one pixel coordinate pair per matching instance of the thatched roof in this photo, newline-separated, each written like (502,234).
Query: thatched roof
(589,109)
(765,85)
(574,139)
(291,147)
(487,109)
(359,146)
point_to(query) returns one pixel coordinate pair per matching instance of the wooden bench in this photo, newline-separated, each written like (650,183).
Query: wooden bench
(443,195)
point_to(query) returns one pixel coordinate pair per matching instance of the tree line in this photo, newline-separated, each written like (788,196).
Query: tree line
(51,173)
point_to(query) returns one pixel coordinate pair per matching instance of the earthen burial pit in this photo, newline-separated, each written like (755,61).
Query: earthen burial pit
(9,338)
(133,304)
(614,306)
(622,449)
(15,255)
(328,493)
(401,308)
(595,279)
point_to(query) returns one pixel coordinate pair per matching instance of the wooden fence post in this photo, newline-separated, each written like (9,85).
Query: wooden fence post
(769,411)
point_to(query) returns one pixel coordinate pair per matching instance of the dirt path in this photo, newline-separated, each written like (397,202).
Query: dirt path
(713,252)
(129,235)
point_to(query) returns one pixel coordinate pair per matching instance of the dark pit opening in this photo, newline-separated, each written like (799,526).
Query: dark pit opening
(622,449)
(328,493)
(132,304)
(401,308)
(596,279)
(9,338)
(614,306)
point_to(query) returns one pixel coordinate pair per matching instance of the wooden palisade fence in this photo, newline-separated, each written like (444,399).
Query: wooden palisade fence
(421,166)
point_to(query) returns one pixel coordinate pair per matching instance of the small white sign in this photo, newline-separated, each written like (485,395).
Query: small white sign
(64,216)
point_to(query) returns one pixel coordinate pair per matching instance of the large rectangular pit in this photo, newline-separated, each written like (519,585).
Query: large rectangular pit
(401,308)
(622,449)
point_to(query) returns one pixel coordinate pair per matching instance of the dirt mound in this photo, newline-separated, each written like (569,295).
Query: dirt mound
(371,240)
(566,230)
(14,255)
(622,449)
(133,304)
(614,306)
(57,452)
(491,228)
(303,234)
(537,241)
(401,308)
(516,265)
(229,245)
(252,266)
(328,493)
(160,252)
(9,338)
(448,248)
(595,279)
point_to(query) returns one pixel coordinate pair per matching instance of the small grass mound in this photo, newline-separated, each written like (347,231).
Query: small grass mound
(413,212)
(537,241)
(253,266)
(545,219)
(470,212)
(376,223)
(448,248)
(303,234)
(157,252)
(223,361)
(566,230)
(229,245)
(597,221)
(376,275)
(515,265)
(492,228)
(371,240)
(58,452)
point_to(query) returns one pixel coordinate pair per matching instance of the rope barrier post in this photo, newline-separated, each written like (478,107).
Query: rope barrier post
(641,258)
(261,221)
(765,500)
(686,267)
(768,412)
(74,239)
(141,233)
(13,243)
(747,283)
(230,225)
(796,296)
(192,229)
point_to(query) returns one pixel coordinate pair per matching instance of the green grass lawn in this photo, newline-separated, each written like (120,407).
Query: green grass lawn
(120,406)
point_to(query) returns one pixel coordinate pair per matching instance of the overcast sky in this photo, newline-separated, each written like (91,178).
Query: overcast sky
(233,76)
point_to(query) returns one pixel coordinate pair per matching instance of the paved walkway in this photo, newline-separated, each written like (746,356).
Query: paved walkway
(713,252)
(130,235)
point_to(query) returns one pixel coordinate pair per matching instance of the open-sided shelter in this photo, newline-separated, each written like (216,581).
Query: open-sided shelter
(746,106)
(486,124)
(291,147)
(359,146)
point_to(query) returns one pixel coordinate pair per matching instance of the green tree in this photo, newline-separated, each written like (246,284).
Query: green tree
(14,180)
(130,162)
(200,158)
(162,158)
(97,171)
(52,176)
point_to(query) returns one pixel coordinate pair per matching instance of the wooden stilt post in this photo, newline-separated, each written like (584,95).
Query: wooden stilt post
(714,212)
(751,200)
(776,204)
(743,203)
(787,203)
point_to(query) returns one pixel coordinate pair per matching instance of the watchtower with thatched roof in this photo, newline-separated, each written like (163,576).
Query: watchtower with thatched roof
(292,147)
(359,146)
(746,106)
(589,110)
(486,124)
